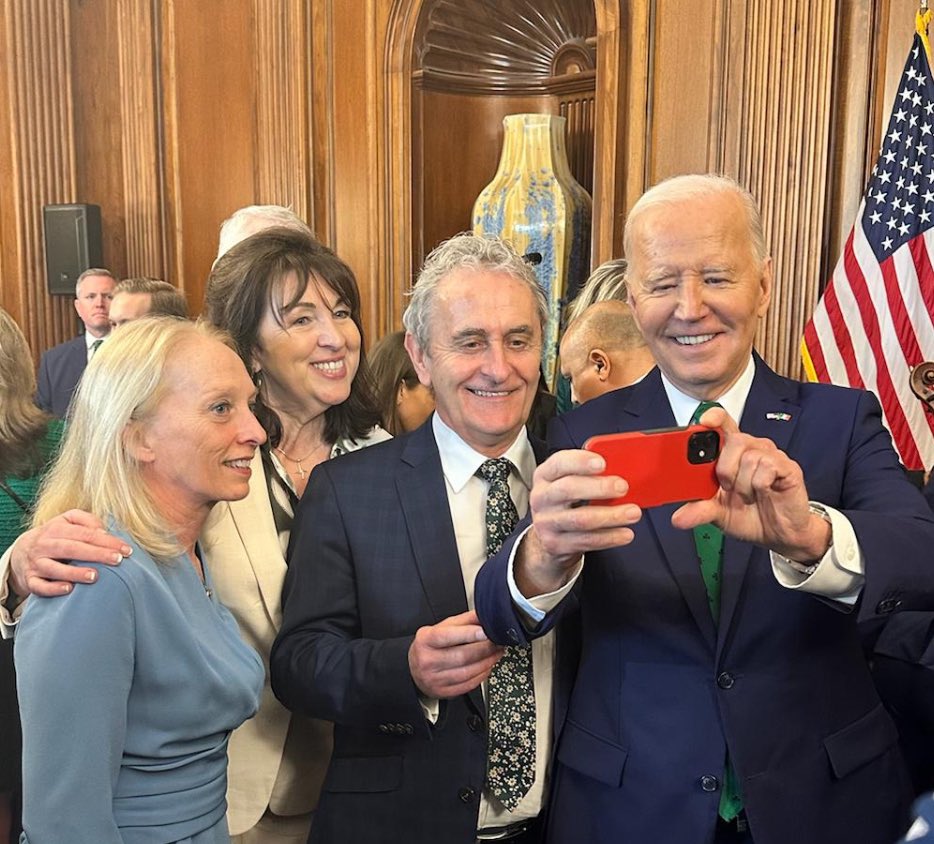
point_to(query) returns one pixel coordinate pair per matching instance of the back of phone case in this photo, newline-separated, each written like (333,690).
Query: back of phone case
(660,466)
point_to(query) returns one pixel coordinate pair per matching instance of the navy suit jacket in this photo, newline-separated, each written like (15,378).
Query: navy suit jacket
(60,369)
(661,691)
(373,557)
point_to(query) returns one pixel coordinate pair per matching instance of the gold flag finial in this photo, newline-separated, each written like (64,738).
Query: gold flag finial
(922,19)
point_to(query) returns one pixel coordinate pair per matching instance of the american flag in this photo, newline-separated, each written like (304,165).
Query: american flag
(874,321)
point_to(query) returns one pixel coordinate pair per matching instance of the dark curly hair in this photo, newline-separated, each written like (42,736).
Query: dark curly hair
(253,276)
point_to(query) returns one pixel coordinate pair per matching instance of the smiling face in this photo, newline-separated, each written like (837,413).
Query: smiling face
(92,303)
(697,290)
(309,362)
(196,448)
(483,357)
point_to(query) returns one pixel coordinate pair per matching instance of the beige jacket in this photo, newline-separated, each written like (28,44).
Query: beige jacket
(276,760)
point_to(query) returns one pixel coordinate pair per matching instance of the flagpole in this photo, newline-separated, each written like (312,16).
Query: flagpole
(922,19)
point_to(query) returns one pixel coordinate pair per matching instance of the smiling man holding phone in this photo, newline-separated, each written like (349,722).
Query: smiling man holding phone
(721,693)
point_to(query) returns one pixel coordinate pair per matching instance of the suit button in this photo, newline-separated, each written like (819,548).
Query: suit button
(513,635)
(726,680)
(466,795)
(709,783)
(474,723)
(887,605)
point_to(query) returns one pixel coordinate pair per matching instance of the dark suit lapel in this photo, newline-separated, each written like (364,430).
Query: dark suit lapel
(648,408)
(424,501)
(771,412)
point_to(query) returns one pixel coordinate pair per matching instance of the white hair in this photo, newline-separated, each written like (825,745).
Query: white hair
(256,218)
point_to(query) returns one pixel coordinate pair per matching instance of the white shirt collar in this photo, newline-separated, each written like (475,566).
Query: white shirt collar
(90,339)
(460,462)
(733,400)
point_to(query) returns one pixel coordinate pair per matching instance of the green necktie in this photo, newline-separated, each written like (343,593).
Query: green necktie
(95,346)
(708,539)
(510,689)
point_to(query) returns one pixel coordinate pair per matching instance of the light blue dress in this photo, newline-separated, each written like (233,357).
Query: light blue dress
(129,689)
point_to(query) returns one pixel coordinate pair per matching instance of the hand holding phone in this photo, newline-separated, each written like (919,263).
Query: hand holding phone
(661,466)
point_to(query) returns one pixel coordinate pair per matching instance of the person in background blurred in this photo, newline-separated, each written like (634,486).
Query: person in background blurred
(606,283)
(603,350)
(138,297)
(61,366)
(29,439)
(130,688)
(404,402)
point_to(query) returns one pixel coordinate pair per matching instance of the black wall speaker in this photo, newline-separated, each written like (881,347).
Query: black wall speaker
(72,244)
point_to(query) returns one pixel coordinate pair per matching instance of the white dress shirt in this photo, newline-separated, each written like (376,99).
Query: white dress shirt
(839,574)
(467,501)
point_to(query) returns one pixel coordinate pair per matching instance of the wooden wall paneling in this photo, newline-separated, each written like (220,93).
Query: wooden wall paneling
(209,116)
(41,161)
(683,91)
(578,108)
(141,159)
(100,125)
(356,55)
(283,119)
(622,98)
(852,151)
(402,156)
(784,116)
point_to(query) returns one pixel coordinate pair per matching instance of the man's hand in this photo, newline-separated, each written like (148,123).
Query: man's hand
(453,657)
(38,561)
(762,497)
(564,526)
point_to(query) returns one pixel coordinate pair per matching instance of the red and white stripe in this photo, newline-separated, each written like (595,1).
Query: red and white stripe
(873,323)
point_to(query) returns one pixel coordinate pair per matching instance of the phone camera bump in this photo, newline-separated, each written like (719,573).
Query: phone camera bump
(703,447)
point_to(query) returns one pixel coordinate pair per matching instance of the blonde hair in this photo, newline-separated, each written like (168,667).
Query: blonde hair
(606,283)
(122,386)
(22,424)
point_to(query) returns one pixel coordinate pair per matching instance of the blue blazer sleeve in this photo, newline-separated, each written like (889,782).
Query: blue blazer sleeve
(323,662)
(74,659)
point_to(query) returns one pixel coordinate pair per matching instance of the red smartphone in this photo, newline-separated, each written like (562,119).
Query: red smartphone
(661,466)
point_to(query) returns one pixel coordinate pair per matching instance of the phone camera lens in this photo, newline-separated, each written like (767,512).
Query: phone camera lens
(703,447)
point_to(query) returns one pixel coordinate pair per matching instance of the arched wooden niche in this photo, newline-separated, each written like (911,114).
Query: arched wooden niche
(474,62)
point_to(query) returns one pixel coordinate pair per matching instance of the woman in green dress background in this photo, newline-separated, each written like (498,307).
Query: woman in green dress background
(29,439)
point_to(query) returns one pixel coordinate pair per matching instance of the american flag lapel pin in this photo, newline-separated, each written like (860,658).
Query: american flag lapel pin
(778,417)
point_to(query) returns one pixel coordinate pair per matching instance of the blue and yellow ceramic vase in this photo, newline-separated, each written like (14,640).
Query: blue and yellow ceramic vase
(535,203)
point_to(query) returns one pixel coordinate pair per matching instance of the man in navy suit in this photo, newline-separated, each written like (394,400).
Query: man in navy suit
(733,702)
(378,632)
(62,366)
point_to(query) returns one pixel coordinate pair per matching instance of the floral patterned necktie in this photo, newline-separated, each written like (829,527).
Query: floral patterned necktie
(510,689)
(708,539)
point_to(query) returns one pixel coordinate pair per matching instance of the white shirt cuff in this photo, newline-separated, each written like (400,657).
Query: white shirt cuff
(839,574)
(8,619)
(534,609)
(431,707)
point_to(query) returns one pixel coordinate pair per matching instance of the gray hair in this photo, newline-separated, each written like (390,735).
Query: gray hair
(471,252)
(256,218)
(88,273)
(695,186)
